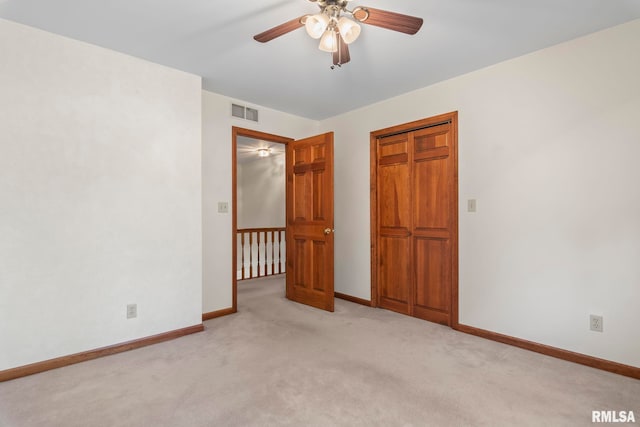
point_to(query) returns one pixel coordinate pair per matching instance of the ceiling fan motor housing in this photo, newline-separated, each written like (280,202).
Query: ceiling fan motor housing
(324,3)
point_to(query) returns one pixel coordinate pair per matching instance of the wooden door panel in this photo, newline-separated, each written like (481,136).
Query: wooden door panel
(309,215)
(300,156)
(318,153)
(393,149)
(395,273)
(432,138)
(431,194)
(319,267)
(302,264)
(391,146)
(312,272)
(431,260)
(310,263)
(318,195)
(300,195)
(395,197)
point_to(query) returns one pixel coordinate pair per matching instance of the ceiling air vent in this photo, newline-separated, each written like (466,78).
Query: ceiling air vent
(252,114)
(243,112)
(237,111)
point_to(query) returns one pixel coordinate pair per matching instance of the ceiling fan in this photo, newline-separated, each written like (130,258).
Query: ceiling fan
(336,31)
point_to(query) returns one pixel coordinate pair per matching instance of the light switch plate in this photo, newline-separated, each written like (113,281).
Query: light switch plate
(471,205)
(223,207)
(132,311)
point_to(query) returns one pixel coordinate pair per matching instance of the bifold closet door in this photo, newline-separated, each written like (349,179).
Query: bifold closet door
(416,192)
(432,190)
(394,223)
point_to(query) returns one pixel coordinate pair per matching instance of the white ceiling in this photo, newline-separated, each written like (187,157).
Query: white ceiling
(214,39)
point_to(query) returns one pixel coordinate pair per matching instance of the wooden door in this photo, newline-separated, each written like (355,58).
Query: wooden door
(414,219)
(434,212)
(310,221)
(394,223)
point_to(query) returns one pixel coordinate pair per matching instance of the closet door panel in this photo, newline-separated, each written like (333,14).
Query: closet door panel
(394,209)
(394,273)
(431,194)
(432,293)
(394,213)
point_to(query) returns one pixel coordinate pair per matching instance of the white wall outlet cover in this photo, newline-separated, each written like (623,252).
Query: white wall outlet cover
(595,323)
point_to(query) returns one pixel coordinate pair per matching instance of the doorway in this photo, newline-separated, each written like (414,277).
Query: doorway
(309,218)
(259,220)
(414,219)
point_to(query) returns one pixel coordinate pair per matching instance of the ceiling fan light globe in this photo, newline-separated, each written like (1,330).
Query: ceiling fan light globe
(329,42)
(349,30)
(316,25)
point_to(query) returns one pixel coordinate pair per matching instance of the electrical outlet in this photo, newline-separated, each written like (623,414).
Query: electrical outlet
(132,311)
(595,323)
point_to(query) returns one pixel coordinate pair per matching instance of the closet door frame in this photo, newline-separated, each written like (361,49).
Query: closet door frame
(452,118)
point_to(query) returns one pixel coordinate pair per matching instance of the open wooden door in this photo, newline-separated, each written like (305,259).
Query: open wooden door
(310,221)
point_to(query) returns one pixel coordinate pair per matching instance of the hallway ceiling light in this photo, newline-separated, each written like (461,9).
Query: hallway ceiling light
(263,152)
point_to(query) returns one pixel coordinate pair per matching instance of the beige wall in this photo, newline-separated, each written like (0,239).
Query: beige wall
(548,145)
(100,197)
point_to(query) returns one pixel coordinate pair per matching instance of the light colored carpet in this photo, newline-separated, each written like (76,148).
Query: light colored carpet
(278,363)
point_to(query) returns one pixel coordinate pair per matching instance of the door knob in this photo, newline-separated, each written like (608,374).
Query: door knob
(329,231)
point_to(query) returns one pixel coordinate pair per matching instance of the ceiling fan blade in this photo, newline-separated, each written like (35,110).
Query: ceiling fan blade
(280,30)
(389,20)
(341,56)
